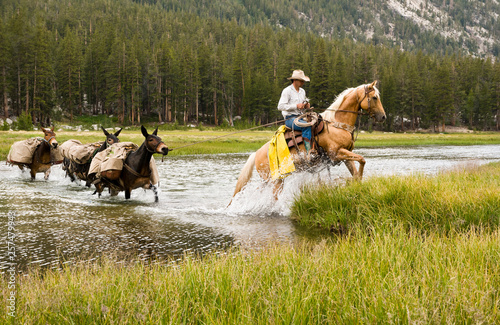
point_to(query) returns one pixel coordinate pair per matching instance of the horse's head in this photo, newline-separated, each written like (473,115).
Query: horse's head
(111,137)
(370,101)
(49,136)
(153,142)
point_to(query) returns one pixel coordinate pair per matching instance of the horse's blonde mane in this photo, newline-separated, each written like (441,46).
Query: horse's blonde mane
(329,113)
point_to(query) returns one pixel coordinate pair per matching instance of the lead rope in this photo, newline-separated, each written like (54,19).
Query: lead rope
(225,135)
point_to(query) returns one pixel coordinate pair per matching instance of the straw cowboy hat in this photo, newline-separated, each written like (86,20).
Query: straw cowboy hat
(299,75)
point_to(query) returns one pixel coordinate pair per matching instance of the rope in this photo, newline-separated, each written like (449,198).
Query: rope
(225,135)
(314,119)
(296,122)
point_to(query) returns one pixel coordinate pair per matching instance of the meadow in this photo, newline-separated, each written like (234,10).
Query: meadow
(398,249)
(229,141)
(456,200)
(396,276)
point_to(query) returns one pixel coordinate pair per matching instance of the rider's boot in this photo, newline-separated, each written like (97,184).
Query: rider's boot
(312,153)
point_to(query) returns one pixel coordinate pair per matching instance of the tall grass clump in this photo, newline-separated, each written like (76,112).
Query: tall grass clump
(454,200)
(385,277)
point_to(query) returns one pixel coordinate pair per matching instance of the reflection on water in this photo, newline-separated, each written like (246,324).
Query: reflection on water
(58,221)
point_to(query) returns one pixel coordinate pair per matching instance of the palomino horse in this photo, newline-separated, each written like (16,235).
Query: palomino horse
(75,170)
(336,140)
(136,172)
(42,160)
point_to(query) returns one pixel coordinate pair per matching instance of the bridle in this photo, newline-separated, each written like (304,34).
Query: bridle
(359,110)
(156,147)
(48,141)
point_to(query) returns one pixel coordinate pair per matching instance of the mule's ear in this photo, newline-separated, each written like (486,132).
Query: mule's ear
(373,84)
(52,129)
(155,131)
(106,133)
(42,129)
(144,131)
(118,132)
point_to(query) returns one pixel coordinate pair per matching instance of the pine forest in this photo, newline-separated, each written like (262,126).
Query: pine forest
(168,63)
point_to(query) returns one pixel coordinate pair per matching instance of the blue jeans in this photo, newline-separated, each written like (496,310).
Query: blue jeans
(306,131)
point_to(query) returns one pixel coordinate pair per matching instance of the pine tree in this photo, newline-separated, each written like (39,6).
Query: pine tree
(68,71)
(43,76)
(5,58)
(319,76)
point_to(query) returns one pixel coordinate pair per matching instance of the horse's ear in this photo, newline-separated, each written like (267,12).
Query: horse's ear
(52,129)
(42,129)
(155,131)
(118,132)
(144,131)
(106,133)
(373,84)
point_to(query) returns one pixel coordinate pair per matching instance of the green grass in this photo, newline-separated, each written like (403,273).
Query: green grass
(227,141)
(416,249)
(383,278)
(377,139)
(454,200)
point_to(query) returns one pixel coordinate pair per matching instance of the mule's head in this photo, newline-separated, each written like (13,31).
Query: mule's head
(111,137)
(49,137)
(153,142)
(371,102)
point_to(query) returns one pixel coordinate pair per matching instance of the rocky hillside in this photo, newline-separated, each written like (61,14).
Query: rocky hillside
(469,27)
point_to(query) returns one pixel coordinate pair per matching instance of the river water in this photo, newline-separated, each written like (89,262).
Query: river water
(57,222)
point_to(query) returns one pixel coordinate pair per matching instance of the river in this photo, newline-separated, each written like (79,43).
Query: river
(57,222)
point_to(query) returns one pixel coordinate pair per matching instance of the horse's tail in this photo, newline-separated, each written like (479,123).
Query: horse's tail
(245,174)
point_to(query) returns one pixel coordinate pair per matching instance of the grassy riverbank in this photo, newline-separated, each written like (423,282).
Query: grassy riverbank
(415,250)
(454,200)
(385,277)
(221,141)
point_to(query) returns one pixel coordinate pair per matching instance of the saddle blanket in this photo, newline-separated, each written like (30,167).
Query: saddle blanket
(114,157)
(280,160)
(80,153)
(21,152)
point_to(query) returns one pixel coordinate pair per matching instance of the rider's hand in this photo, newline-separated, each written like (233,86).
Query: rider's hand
(300,106)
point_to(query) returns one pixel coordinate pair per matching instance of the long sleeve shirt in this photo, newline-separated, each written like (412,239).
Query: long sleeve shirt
(289,100)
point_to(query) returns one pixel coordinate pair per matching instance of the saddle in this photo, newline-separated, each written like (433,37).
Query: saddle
(294,138)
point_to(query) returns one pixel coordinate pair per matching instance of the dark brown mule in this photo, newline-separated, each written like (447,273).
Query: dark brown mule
(81,171)
(136,171)
(42,160)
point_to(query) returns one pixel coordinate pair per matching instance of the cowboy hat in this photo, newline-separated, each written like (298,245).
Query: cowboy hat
(299,75)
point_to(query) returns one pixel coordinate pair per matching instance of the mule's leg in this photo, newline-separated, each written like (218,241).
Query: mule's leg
(33,174)
(349,158)
(127,194)
(155,191)
(46,174)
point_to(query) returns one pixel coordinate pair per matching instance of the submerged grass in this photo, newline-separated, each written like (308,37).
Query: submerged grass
(385,277)
(454,200)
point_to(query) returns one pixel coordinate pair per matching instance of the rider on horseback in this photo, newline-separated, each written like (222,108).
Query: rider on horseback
(292,103)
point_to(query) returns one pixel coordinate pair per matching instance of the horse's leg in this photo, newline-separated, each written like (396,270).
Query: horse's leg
(277,188)
(127,194)
(349,158)
(351,167)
